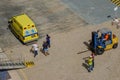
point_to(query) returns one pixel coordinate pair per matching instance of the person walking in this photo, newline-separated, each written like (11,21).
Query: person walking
(116,22)
(48,40)
(45,48)
(90,64)
(35,49)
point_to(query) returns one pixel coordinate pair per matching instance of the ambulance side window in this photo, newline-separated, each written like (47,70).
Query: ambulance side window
(18,24)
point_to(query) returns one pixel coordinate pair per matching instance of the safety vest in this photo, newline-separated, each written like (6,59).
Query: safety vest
(106,37)
(90,61)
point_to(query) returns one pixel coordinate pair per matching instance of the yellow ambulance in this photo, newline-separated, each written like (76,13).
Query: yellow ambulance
(23,28)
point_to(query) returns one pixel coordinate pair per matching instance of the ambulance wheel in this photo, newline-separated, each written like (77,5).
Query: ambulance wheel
(100,51)
(9,26)
(115,45)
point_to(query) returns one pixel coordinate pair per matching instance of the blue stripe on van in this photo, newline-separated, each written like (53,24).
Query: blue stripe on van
(30,34)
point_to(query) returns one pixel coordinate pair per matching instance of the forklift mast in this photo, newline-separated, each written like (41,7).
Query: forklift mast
(97,41)
(94,40)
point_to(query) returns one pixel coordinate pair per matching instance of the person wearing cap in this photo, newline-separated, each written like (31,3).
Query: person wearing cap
(90,64)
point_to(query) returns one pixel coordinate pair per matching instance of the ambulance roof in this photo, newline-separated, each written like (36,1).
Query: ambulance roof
(23,20)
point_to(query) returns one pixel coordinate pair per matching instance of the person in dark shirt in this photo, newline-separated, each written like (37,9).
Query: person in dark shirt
(48,40)
(45,48)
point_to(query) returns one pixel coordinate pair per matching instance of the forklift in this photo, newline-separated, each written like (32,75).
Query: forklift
(99,44)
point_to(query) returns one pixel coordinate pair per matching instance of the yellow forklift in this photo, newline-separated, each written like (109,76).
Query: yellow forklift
(99,43)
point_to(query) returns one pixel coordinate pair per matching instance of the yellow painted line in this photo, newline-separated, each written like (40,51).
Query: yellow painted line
(116,2)
(29,64)
(23,74)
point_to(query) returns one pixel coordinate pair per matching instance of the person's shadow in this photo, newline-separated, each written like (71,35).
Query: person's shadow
(85,65)
(32,51)
(41,50)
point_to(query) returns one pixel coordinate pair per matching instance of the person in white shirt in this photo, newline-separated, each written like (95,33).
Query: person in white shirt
(35,49)
(116,22)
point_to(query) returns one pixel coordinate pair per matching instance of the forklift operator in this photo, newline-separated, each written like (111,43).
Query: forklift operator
(106,37)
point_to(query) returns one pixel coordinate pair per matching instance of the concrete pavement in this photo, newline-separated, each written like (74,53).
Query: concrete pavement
(64,63)
(93,11)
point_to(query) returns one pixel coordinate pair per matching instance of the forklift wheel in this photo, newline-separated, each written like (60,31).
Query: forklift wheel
(100,51)
(115,45)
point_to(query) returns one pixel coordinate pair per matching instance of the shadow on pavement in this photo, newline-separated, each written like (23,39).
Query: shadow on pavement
(41,50)
(85,66)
